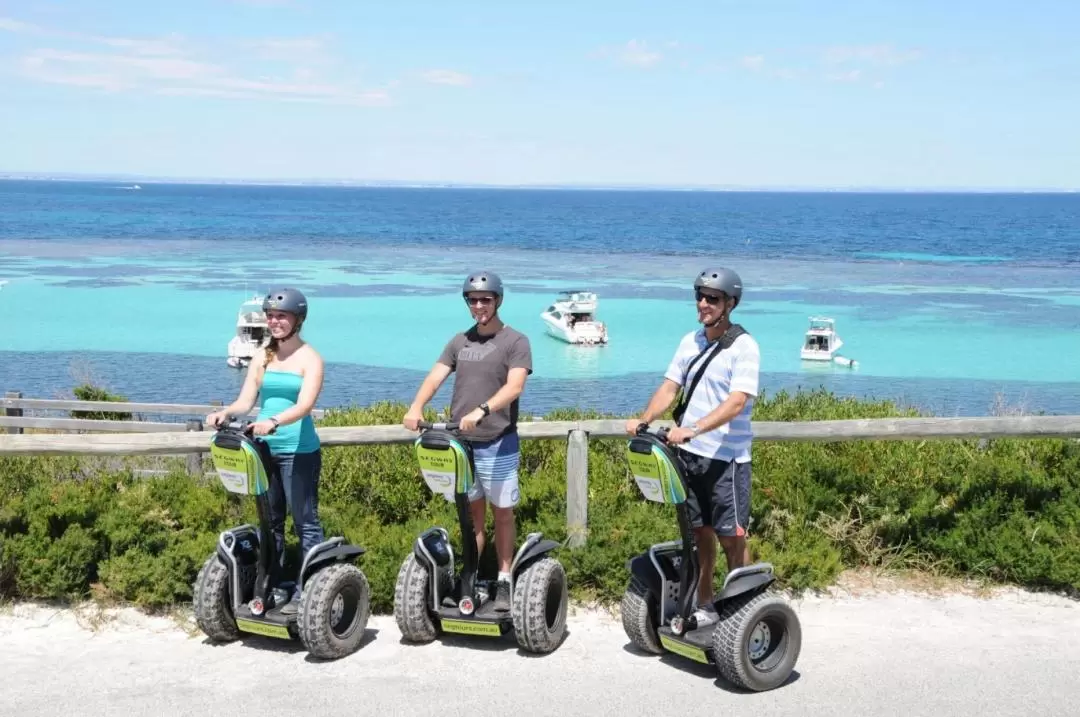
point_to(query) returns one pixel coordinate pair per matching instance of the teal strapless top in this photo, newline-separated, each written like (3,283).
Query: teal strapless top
(280,390)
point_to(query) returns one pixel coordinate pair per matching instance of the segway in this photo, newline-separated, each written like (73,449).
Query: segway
(233,592)
(431,598)
(757,640)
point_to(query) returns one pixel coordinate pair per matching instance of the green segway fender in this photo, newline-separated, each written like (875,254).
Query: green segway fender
(239,466)
(444,463)
(654,471)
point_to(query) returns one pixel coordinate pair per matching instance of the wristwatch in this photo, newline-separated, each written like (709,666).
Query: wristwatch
(485,408)
(276,422)
(695,428)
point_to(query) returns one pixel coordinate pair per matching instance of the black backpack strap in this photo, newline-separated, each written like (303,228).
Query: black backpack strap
(724,342)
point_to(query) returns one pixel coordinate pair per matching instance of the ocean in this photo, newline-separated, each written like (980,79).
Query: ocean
(955,304)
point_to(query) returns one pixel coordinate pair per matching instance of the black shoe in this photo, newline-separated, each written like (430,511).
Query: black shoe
(291,607)
(502,597)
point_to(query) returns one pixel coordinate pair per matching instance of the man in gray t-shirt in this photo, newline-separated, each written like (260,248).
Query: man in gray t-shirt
(491,361)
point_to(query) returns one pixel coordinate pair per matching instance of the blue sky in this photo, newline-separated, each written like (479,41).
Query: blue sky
(768,93)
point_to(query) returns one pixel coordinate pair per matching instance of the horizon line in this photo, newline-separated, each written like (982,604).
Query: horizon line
(456,184)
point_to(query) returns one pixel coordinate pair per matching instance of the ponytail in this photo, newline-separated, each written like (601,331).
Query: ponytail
(271,351)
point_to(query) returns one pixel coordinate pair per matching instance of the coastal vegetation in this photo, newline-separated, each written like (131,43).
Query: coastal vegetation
(999,510)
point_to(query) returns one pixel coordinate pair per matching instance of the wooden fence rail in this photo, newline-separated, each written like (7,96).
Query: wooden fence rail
(191,438)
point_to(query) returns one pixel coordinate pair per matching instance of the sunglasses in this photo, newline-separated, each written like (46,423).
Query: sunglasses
(479,300)
(709,298)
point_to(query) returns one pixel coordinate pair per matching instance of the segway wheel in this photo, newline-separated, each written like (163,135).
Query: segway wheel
(540,602)
(638,610)
(334,611)
(212,601)
(757,641)
(411,602)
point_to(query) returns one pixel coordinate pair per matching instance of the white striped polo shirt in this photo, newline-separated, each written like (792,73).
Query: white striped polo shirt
(733,369)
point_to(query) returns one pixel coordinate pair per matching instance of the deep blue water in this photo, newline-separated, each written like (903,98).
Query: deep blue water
(950,302)
(1038,229)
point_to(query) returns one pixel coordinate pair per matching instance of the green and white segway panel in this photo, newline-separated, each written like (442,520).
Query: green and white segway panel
(444,463)
(654,471)
(239,466)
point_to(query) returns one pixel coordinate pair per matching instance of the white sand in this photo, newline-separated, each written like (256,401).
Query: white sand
(875,653)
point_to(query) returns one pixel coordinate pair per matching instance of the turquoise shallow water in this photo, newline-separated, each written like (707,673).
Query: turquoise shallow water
(398,320)
(987,299)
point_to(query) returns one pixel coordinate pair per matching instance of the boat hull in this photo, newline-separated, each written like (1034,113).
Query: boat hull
(586,333)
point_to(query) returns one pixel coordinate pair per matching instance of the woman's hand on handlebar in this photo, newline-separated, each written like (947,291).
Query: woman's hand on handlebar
(262,428)
(215,419)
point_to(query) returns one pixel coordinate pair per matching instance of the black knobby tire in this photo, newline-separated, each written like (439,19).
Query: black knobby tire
(340,587)
(411,602)
(638,608)
(757,641)
(212,601)
(540,603)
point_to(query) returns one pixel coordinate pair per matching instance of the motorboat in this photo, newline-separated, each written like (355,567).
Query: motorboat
(821,342)
(572,318)
(251,333)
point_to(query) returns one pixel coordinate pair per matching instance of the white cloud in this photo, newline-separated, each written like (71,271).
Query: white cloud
(634,53)
(12,25)
(179,76)
(848,76)
(752,62)
(172,66)
(637,54)
(447,77)
(869,54)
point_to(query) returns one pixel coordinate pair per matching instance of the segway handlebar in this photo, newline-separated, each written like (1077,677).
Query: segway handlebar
(235,423)
(445,426)
(661,433)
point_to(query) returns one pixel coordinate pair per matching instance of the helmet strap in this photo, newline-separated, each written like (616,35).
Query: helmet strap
(295,329)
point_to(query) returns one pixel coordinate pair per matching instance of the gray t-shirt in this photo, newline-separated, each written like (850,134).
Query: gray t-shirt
(482,364)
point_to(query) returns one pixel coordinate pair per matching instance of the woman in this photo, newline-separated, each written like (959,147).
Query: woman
(288,380)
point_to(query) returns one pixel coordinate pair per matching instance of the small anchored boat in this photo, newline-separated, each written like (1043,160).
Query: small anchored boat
(251,333)
(822,343)
(572,318)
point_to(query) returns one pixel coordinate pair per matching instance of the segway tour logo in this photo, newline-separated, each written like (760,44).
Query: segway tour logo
(438,469)
(232,468)
(646,474)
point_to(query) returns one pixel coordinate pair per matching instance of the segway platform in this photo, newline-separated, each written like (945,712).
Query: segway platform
(486,621)
(233,592)
(757,639)
(431,597)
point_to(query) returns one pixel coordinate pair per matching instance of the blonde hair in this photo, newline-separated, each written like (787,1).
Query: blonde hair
(271,351)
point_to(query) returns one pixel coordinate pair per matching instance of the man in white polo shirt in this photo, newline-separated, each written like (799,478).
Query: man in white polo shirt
(717,366)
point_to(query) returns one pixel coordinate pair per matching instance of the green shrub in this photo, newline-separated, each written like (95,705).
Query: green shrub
(1005,510)
(90,392)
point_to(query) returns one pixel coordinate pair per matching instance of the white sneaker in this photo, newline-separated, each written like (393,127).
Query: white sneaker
(706,616)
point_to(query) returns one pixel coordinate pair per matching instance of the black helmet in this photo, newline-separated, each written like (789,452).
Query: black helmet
(720,279)
(483,281)
(290,300)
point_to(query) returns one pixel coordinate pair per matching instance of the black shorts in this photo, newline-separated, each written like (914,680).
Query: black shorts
(719,491)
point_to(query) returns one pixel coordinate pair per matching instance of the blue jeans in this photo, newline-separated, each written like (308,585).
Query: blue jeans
(294,485)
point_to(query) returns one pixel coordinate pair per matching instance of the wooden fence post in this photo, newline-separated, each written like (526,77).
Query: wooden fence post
(13,411)
(195,460)
(577,487)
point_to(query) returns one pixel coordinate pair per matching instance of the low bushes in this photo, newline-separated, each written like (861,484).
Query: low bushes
(1006,510)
